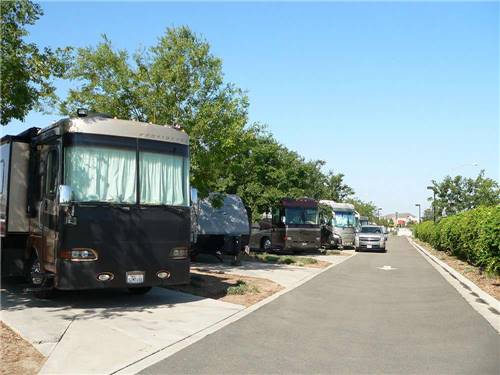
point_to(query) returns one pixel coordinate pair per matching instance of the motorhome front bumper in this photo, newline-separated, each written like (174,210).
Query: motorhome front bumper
(95,275)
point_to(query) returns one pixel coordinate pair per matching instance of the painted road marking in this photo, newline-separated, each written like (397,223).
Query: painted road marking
(387,268)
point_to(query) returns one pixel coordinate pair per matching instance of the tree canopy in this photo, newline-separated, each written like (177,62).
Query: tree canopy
(179,81)
(457,194)
(176,81)
(27,72)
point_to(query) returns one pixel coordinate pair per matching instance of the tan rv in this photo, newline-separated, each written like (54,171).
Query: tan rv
(294,226)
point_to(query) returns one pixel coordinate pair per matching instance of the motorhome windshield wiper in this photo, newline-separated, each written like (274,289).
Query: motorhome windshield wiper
(105,204)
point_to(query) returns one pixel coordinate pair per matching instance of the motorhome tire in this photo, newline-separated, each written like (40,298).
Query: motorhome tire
(39,280)
(139,290)
(266,244)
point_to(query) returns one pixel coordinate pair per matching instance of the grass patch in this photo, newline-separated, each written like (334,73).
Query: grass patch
(307,260)
(242,288)
(283,259)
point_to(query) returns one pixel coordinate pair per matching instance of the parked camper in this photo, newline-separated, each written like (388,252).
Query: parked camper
(363,220)
(344,223)
(220,230)
(94,202)
(294,226)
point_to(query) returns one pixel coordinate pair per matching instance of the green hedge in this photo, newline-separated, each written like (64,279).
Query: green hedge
(473,236)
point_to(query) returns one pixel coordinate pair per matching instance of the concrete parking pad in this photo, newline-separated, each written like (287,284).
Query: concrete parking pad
(103,331)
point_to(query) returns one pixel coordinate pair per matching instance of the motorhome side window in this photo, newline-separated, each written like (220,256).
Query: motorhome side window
(51,170)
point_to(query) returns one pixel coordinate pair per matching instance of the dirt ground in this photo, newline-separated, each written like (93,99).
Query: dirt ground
(215,285)
(17,356)
(490,285)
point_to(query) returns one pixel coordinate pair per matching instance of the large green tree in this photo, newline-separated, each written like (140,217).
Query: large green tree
(368,209)
(335,188)
(457,194)
(179,81)
(27,72)
(176,81)
(266,171)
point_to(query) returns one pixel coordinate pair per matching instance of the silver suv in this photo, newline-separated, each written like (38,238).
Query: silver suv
(370,237)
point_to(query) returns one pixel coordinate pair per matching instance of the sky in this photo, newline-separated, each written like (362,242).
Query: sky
(390,94)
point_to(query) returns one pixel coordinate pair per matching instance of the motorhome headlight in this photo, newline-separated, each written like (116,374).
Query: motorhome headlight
(163,274)
(105,276)
(179,252)
(79,255)
(288,238)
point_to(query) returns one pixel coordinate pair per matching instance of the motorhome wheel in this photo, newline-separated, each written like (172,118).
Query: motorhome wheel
(267,244)
(38,280)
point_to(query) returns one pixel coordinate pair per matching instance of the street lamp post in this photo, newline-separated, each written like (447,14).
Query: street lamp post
(419,216)
(433,202)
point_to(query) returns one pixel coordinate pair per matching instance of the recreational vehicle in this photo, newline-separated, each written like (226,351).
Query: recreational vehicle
(293,226)
(94,202)
(343,225)
(220,230)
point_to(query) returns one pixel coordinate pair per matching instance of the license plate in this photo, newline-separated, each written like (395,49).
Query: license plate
(135,277)
(368,246)
(304,243)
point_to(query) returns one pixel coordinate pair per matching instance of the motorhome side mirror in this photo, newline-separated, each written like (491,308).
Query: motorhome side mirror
(65,195)
(283,219)
(194,196)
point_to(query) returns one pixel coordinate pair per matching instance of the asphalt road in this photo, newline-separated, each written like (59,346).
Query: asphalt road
(353,319)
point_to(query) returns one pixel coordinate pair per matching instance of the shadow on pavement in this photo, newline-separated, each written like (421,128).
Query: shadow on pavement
(90,303)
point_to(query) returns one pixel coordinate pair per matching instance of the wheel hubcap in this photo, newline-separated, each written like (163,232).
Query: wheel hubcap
(267,244)
(36,275)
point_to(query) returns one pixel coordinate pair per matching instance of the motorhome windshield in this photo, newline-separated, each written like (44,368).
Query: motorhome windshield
(301,215)
(107,174)
(344,219)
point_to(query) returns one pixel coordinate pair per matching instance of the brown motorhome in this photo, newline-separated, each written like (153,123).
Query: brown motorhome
(94,202)
(294,226)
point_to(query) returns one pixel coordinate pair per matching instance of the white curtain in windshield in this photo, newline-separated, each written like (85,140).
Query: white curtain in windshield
(344,219)
(163,179)
(101,174)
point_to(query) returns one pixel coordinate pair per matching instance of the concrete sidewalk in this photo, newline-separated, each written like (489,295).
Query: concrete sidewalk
(102,331)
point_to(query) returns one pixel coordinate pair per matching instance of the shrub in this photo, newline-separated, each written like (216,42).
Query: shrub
(473,236)
(242,288)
